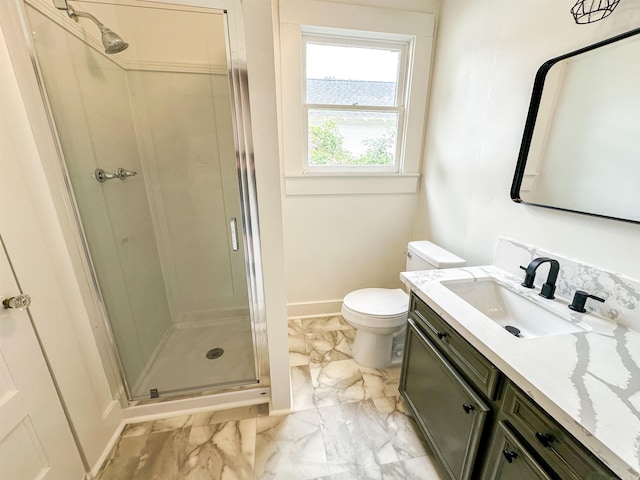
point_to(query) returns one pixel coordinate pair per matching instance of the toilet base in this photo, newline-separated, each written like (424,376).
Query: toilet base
(373,350)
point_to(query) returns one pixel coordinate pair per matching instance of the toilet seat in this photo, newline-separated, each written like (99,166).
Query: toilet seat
(376,307)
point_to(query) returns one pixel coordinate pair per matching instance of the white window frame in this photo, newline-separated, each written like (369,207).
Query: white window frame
(331,18)
(348,38)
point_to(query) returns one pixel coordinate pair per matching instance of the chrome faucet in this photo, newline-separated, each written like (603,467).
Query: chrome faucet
(549,287)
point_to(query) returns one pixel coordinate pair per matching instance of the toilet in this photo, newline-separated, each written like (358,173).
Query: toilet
(379,315)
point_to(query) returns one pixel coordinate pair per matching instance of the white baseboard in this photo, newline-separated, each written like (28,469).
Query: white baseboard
(107,450)
(314,309)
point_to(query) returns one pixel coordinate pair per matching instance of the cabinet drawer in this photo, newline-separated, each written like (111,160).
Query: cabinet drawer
(508,459)
(476,369)
(564,454)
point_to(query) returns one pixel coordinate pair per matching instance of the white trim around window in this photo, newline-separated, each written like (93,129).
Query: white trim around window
(317,18)
(402,44)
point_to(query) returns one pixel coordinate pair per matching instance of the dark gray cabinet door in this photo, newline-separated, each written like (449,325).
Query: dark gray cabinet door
(450,414)
(508,459)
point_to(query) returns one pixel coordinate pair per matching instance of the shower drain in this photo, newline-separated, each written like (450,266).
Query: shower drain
(215,353)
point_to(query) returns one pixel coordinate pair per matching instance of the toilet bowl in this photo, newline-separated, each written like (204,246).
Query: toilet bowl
(379,315)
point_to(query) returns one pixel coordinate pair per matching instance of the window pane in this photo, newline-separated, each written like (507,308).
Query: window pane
(352,138)
(339,75)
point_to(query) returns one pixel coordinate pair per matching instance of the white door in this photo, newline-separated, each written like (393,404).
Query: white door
(35,439)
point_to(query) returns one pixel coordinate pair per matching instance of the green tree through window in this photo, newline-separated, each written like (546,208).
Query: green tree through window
(327,147)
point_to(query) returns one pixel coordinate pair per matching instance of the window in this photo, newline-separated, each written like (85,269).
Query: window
(354,93)
(338,139)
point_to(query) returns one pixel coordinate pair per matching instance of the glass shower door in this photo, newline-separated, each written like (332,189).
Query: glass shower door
(148,141)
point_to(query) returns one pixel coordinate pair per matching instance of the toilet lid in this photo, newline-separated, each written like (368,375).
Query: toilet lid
(378,301)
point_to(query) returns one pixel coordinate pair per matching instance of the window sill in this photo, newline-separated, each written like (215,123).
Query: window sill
(351,184)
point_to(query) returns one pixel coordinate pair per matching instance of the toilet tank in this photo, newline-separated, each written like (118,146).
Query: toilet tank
(423,255)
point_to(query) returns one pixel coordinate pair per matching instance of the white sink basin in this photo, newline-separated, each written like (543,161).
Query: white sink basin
(508,308)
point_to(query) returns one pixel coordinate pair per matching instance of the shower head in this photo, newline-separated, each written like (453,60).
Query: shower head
(113,43)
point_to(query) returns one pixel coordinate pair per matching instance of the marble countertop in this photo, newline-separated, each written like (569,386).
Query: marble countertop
(588,381)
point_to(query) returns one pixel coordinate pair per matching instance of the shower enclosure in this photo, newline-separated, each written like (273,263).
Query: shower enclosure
(152,133)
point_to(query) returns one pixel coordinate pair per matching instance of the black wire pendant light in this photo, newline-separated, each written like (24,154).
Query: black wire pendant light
(589,11)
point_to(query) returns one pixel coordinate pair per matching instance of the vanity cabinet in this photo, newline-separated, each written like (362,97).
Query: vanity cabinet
(449,388)
(476,421)
(451,415)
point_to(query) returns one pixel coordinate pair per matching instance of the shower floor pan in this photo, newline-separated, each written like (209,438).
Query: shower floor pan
(200,355)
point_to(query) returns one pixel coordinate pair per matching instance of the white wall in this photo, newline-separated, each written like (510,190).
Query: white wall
(338,243)
(487,53)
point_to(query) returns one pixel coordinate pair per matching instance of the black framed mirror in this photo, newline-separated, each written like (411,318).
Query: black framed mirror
(580,150)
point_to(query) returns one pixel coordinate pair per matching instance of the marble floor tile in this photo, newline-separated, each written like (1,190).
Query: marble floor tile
(420,468)
(394,471)
(295,326)
(298,354)
(381,382)
(367,473)
(391,404)
(302,388)
(338,382)
(230,415)
(157,456)
(290,447)
(405,437)
(354,436)
(321,324)
(223,451)
(350,335)
(327,347)
(344,324)
(349,424)
(156,426)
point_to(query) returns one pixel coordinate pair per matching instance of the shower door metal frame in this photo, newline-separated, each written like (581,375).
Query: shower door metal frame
(241,119)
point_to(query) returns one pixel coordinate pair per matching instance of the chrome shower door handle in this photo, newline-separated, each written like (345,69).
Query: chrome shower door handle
(123,174)
(234,234)
(101,176)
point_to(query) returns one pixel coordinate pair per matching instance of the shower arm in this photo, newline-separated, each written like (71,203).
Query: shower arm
(75,15)
(64,5)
